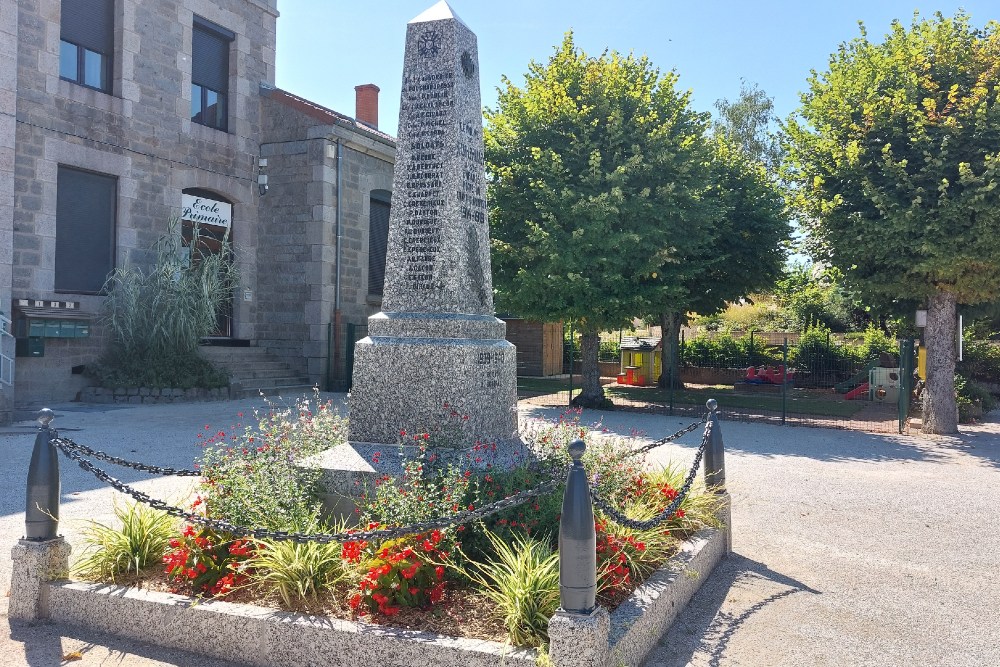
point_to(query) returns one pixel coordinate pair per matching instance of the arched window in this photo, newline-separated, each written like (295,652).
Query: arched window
(378,238)
(211,215)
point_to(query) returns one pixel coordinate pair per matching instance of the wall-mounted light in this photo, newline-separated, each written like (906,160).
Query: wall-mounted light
(262,176)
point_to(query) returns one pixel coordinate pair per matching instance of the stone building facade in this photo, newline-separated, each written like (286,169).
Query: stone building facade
(108,121)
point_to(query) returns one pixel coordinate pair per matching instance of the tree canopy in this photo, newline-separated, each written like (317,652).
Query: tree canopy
(894,153)
(598,173)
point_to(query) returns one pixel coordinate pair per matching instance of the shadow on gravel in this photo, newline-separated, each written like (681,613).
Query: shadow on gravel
(43,647)
(704,627)
(981,441)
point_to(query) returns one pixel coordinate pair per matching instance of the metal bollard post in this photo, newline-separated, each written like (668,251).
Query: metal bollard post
(577,540)
(715,455)
(41,509)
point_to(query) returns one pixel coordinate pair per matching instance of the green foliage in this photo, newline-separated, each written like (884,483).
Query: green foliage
(298,572)
(980,361)
(876,343)
(181,371)
(724,351)
(822,358)
(748,122)
(156,316)
(139,540)
(522,580)
(896,170)
(973,399)
(598,183)
(259,473)
(170,306)
(894,155)
(811,294)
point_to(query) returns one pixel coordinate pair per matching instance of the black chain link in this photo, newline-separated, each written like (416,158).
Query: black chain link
(667,513)
(669,438)
(462,517)
(102,456)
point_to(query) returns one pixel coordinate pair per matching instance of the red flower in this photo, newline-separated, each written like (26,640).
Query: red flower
(439,572)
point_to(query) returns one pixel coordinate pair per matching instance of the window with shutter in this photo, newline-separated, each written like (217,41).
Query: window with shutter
(87,40)
(210,74)
(85,230)
(378,239)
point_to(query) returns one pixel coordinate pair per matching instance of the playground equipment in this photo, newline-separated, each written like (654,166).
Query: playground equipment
(769,375)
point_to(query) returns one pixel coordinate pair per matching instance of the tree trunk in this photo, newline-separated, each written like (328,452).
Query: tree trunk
(670,330)
(940,411)
(592,394)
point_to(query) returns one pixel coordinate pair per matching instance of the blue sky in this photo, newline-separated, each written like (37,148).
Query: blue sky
(326,47)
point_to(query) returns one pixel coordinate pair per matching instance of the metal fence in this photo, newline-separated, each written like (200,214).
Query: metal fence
(808,381)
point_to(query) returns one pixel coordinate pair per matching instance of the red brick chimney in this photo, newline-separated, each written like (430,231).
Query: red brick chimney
(366,104)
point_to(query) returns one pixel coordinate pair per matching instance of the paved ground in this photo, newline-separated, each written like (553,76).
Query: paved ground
(849,548)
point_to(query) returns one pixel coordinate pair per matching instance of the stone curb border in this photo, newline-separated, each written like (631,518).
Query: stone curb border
(271,638)
(153,395)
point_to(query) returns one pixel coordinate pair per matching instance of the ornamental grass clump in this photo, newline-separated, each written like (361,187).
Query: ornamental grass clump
(298,572)
(157,315)
(137,542)
(522,580)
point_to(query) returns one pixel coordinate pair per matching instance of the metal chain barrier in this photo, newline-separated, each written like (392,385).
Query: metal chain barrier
(667,513)
(669,438)
(102,456)
(464,516)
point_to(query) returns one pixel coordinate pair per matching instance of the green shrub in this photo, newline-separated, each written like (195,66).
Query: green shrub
(875,343)
(980,361)
(972,399)
(258,475)
(181,371)
(825,361)
(140,541)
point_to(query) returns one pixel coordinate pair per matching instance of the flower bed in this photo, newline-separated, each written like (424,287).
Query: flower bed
(263,636)
(380,572)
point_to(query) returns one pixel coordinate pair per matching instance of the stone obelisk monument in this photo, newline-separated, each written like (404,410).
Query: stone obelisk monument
(437,341)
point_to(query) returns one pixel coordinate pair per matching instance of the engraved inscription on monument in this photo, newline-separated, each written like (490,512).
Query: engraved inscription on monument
(437,339)
(429,97)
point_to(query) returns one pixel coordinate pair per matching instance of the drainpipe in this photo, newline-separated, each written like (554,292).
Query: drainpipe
(336,282)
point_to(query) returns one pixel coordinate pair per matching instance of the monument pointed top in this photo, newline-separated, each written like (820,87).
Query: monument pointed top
(442,11)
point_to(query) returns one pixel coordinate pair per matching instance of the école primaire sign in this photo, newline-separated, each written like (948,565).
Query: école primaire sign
(206,211)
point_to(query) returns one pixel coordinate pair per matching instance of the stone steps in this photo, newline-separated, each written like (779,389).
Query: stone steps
(253,371)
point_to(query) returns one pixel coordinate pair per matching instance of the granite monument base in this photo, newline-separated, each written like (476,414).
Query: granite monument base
(460,390)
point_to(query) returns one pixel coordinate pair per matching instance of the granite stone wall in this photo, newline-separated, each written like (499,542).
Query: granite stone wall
(297,254)
(141,133)
(8,114)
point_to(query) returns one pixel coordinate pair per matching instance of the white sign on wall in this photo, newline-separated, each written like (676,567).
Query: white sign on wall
(206,211)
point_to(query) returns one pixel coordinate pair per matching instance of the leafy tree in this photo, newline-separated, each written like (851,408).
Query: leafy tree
(895,154)
(596,173)
(749,123)
(750,227)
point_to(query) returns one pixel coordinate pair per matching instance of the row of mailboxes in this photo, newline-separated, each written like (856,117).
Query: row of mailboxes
(31,334)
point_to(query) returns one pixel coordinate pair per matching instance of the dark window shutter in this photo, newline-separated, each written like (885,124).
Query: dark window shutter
(210,56)
(85,230)
(89,23)
(378,239)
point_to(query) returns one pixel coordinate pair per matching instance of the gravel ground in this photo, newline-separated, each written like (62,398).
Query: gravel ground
(849,548)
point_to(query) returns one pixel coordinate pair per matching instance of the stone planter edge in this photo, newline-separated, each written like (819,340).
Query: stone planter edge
(270,637)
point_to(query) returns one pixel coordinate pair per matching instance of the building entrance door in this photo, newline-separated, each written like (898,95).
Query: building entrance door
(209,217)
